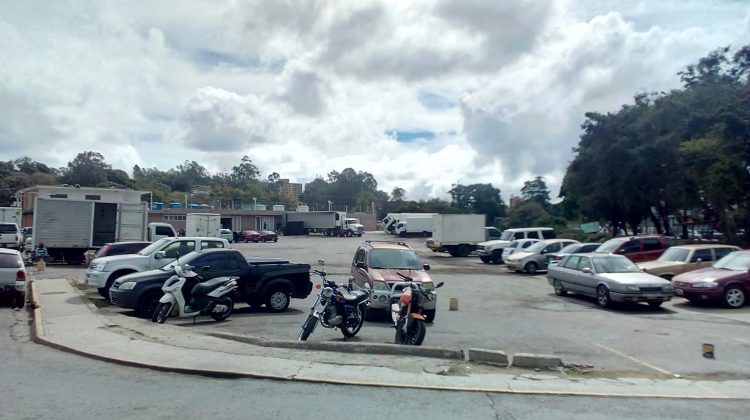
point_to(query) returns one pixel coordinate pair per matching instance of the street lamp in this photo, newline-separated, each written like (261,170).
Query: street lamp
(255,203)
(330,203)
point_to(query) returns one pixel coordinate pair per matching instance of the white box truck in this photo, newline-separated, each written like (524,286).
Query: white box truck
(414,225)
(391,219)
(203,224)
(457,234)
(11,215)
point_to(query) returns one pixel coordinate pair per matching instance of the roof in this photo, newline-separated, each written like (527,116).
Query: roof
(387,244)
(9,251)
(704,246)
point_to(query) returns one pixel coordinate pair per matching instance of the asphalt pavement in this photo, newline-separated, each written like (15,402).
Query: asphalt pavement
(65,319)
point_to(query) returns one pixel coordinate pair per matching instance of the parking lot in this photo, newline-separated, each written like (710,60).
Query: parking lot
(512,312)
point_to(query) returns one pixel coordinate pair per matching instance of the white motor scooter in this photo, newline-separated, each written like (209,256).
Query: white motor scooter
(212,297)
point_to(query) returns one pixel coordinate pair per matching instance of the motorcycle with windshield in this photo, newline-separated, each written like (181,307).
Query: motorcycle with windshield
(334,308)
(406,311)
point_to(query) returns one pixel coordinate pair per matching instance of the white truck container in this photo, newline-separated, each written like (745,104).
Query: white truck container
(203,224)
(11,215)
(414,225)
(391,220)
(329,223)
(457,234)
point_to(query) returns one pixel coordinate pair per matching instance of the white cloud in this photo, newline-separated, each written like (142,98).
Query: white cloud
(306,87)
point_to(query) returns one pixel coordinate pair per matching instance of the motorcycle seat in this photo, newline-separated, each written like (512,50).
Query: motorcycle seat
(208,286)
(355,296)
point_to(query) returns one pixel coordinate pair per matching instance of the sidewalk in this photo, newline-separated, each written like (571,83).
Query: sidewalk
(64,320)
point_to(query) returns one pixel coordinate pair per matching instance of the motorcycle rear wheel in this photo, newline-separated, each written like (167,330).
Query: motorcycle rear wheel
(161,313)
(307,328)
(352,326)
(220,316)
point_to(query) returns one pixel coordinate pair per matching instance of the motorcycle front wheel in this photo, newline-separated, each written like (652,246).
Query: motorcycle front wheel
(220,316)
(307,328)
(352,325)
(161,313)
(414,335)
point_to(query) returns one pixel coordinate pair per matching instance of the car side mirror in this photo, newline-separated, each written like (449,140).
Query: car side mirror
(160,254)
(699,260)
(361,265)
(586,270)
(426,267)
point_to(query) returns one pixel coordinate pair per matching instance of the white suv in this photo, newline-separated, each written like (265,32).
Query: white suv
(10,236)
(492,251)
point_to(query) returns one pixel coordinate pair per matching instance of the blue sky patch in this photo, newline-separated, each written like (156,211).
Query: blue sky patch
(410,136)
(434,101)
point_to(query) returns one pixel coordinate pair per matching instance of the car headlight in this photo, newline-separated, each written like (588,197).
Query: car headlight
(128,285)
(379,285)
(100,266)
(705,284)
(667,288)
(632,287)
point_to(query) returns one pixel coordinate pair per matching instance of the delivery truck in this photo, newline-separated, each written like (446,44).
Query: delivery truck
(11,215)
(414,225)
(459,234)
(329,223)
(203,224)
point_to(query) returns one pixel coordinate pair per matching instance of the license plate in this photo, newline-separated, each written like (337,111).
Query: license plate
(653,297)
(679,292)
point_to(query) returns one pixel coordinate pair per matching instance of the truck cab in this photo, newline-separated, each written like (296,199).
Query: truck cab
(353,227)
(156,231)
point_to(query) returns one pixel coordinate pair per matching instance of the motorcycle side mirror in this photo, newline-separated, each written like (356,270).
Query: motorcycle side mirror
(426,267)
(160,254)
(361,265)
(439,285)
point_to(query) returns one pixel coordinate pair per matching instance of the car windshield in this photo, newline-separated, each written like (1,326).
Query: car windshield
(506,236)
(8,228)
(10,261)
(614,264)
(570,249)
(610,246)
(394,258)
(154,246)
(735,262)
(675,255)
(538,246)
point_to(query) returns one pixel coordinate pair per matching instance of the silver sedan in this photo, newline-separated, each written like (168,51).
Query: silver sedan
(608,278)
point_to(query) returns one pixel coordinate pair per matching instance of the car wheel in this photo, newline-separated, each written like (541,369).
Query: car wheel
(485,259)
(275,239)
(103,291)
(148,304)
(734,297)
(602,297)
(654,304)
(497,257)
(559,289)
(531,268)
(277,300)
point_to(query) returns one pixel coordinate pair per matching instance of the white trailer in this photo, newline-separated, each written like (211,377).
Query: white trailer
(203,224)
(457,234)
(329,223)
(414,225)
(391,220)
(11,215)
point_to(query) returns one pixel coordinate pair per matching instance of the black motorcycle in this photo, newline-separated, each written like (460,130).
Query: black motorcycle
(336,309)
(406,311)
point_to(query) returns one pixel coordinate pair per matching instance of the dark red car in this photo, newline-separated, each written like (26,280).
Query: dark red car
(268,236)
(250,236)
(120,248)
(727,281)
(636,248)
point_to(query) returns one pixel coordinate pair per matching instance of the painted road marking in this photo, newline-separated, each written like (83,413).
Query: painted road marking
(631,358)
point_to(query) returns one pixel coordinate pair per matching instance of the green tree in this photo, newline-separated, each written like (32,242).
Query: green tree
(536,190)
(479,198)
(87,169)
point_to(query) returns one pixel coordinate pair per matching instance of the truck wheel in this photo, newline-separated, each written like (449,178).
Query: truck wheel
(463,250)
(277,299)
(485,259)
(497,257)
(110,282)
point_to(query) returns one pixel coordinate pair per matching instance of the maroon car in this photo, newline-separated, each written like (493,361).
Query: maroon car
(268,236)
(726,281)
(250,236)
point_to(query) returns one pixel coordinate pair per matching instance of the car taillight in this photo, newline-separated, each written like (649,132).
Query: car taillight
(21,275)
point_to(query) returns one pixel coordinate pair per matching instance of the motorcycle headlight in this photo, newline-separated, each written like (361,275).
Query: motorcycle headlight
(100,266)
(379,285)
(327,292)
(128,285)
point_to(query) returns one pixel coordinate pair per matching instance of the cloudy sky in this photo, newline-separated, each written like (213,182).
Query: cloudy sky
(421,93)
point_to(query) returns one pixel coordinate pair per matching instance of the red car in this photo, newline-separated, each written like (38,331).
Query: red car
(250,236)
(268,236)
(727,281)
(636,248)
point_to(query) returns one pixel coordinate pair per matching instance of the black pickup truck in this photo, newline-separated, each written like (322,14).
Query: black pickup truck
(269,281)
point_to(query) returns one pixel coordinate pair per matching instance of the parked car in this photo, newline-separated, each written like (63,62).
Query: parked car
(376,265)
(579,248)
(533,258)
(518,246)
(727,281)
(268,236)
(10,236)
(12,277)
(261,281)
(608,278)
(636,248)
(681,259)
(226,234)
(249,236)
(121,248)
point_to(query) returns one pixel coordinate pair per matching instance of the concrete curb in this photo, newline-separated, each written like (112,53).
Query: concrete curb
(347,347)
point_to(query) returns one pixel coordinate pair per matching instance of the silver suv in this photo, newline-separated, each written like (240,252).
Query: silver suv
(10,236)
